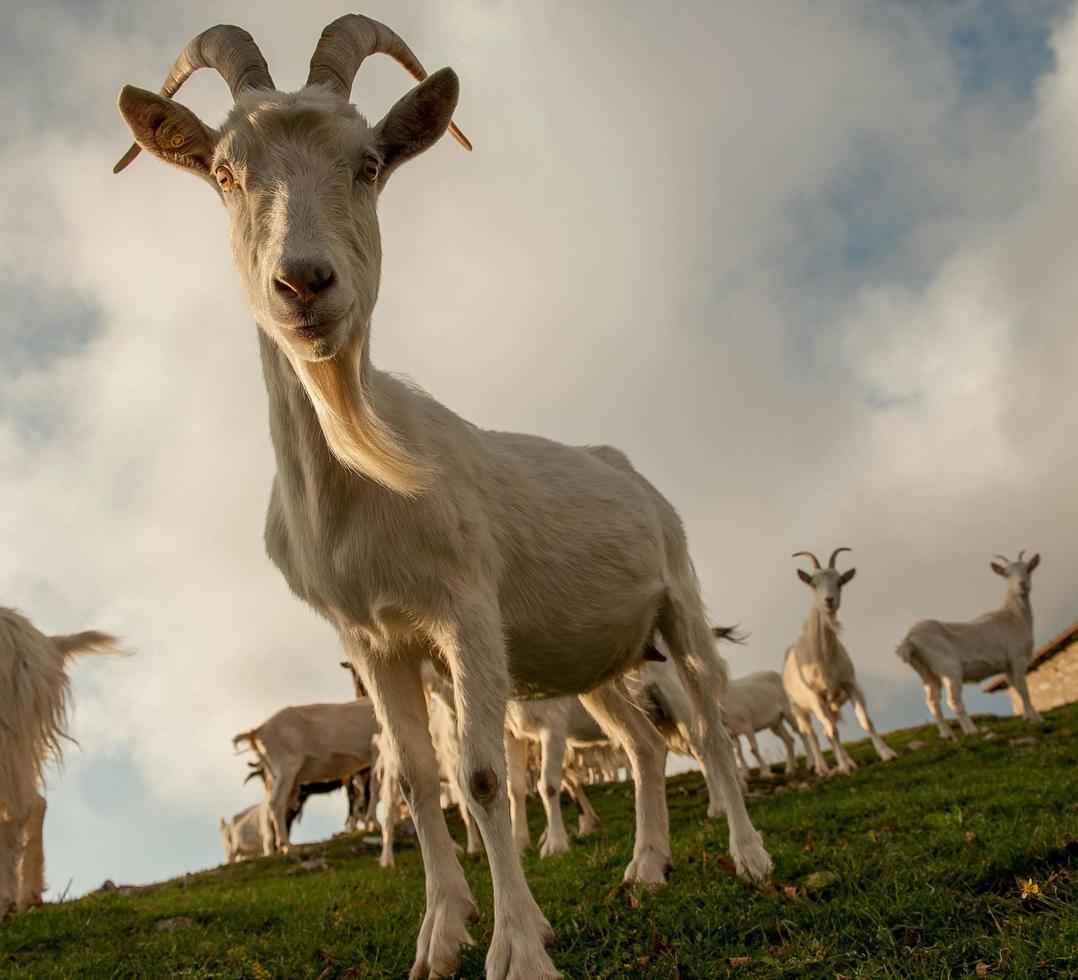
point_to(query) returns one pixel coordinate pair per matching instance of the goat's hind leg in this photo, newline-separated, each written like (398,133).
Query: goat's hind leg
(552,742)
(779,728)
(883,750)
(1018,682)
(703,674)
(957,705)
(397,692)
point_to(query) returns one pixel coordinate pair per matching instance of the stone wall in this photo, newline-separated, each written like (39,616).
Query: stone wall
(1052,683)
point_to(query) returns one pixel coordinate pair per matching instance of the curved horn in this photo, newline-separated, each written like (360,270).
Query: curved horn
(835,554)
(231,51)
(346,42)
(807,554)
(1021,555)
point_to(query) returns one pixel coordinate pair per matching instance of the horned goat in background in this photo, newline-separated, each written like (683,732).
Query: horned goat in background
(1000,641)
(519,565)
(34,697)
(818,673)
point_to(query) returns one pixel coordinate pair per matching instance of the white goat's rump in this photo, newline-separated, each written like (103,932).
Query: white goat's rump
(34,696)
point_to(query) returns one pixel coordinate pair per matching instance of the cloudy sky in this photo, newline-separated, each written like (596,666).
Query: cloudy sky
(809,265)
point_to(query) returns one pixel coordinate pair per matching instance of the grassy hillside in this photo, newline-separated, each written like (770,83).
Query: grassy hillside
(902,870)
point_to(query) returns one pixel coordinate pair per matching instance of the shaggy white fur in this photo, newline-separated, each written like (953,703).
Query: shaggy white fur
(34,695)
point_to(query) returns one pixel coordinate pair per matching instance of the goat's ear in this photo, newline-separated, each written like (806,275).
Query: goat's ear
(1033,562)
(168,130)
(417,121)
(846,576)
(804,576)
(999,569)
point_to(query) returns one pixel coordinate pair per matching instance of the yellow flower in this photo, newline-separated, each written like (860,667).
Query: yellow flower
(1030,888)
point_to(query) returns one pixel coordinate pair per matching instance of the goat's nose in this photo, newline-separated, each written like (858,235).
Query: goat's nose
(303,282)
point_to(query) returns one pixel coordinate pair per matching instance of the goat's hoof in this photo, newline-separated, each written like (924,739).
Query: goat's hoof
(443,933)
(889,756)
(552,848)
(649,868)
(751,858)
(518,948)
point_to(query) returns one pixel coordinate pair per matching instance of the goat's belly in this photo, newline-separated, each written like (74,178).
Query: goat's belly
(331,767)
(557,666)
(979,668)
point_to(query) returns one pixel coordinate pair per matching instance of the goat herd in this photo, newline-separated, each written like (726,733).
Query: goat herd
(492,590)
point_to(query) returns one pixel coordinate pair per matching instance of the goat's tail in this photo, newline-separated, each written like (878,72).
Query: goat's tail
(89,641)
(251,738)
(906,651)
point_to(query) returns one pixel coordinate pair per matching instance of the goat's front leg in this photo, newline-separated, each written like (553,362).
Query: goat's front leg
(516,755)
(1019,683)
(623,721)
(10,841)
(474,648)
(32,859)
(397,692)
(739,760)
(827,718)
(552,746)
(957,705)
(390,794)
(813,755)
(857,699)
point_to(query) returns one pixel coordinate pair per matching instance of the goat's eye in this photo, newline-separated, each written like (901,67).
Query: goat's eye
(368,171)
(225,179)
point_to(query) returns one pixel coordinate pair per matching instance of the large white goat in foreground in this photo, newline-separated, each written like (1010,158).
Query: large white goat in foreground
(518,565)
(310,743)
(34,695)
(818,672)
(1000,641)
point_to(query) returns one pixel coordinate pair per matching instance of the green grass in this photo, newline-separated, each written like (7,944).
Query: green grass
(921,863)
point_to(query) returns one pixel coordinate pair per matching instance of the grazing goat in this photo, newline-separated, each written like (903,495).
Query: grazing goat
(1000,641)
(521,566)
(818,673)
(356,788)
(311,743)
(34,697)
(242,835)
(753,703)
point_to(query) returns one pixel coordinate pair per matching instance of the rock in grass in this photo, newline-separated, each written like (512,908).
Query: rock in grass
(177,923)
(916,745)
(818,881)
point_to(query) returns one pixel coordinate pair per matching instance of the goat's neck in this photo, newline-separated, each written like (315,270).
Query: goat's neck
(1018,606)
(820,634)
(306,469)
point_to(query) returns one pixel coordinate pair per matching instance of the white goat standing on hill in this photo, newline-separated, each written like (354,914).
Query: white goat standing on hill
(756,702)
(818,673)
(520,566)
(34,696)
(1000,641)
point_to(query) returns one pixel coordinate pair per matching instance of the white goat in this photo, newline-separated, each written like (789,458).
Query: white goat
(756,702)
(242,835)
(555,725)
(1000,641)
(34,697)
(523,566)
(311,743)
(818,673)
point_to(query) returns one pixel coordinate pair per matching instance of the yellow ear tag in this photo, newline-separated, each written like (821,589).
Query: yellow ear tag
(177,140)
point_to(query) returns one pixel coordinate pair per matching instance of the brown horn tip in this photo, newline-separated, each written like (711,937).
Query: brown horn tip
(807,554)
(835,554)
